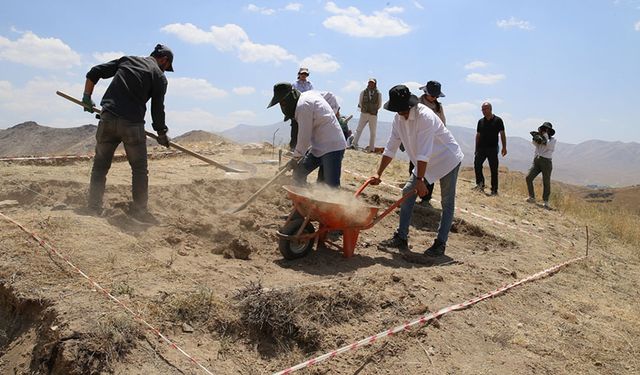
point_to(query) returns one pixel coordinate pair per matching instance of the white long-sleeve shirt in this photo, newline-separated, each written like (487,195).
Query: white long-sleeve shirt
(546,151)
(318,126)
(425,138)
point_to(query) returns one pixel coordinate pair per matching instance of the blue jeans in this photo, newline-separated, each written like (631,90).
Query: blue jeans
(111,131)
(331,164)
(448,201)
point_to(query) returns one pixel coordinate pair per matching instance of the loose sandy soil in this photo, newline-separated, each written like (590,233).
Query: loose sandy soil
(216,284)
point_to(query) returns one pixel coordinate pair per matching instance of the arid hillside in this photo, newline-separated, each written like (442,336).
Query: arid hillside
(204,290)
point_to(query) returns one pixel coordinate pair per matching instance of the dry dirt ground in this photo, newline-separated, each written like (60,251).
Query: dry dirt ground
(216,284)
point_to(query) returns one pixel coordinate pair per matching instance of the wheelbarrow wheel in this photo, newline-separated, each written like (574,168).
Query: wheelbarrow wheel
(294,249)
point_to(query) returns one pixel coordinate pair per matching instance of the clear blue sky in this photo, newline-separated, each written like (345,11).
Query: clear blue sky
(573,63)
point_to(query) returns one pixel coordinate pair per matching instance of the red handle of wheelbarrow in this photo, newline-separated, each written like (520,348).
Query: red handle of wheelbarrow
(361,188)
(391,208)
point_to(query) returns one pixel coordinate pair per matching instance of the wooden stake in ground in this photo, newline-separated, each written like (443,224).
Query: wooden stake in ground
(172,144)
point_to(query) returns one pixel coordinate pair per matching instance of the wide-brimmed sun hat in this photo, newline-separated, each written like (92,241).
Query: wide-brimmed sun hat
(549,127)
(280,91)
(400,99)
(433,88)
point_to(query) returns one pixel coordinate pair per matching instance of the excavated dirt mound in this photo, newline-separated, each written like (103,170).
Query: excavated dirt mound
(216,284)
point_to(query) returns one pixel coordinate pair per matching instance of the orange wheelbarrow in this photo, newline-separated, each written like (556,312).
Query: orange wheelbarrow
(298,235)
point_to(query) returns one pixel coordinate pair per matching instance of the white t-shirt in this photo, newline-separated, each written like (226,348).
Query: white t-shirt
(318,127)
(425,138)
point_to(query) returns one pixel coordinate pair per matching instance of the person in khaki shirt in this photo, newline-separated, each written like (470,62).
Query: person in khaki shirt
(369,104)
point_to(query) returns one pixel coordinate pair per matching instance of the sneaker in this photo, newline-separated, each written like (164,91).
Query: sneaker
(395,242)
(546,205)
(436,250)
(478,188)
(494,194)
(531,200)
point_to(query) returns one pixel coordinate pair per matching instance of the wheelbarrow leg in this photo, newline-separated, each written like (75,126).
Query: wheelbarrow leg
(349,241)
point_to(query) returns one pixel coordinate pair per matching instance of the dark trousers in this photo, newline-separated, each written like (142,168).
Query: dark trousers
(294,134)
(427,197)
(331,164)
(482,154)
(111,131)
(545,166)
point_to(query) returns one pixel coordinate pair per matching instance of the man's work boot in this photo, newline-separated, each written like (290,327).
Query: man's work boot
(436,250)
(395,242)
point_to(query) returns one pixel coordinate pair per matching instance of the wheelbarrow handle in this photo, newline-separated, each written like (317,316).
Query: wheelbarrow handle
(395,205)
(361,188)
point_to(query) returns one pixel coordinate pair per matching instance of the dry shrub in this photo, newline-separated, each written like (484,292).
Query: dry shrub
(296,316)
(274,315)
(328,308)
(108,342)
(195,307)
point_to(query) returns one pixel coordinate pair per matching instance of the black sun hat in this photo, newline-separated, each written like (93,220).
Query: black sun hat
(433,88)
(400,99)
(549,127)
(280,91)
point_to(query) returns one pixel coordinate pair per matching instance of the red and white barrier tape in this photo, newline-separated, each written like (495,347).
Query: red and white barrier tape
(422,320)
(135,315)
(466,211)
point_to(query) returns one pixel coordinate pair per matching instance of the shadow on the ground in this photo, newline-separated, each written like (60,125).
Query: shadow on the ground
(328,260)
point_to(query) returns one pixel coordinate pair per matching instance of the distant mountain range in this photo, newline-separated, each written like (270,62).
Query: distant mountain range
(591,163)
(598,163)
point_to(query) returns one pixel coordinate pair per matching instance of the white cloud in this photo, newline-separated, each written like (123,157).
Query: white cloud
(294,7)
(354,86)
(352,22)
(103,57)
(514,22)
(322,62)
(183,121)
(392,10)
(418,5)
(242,116)
(477,64)
(37,101)
(462,114)
(414,87)
(230,38)
(31,50)
(637,26)
(261,10)
(194,88)
(485,79)
(243,90)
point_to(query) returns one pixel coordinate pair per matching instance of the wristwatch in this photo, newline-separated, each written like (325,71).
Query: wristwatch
(421,179)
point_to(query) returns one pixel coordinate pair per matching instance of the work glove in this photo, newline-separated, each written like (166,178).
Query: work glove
(163,139)
(88,103)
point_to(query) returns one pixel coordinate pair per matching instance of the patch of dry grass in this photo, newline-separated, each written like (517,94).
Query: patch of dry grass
(107,343)
(620,223)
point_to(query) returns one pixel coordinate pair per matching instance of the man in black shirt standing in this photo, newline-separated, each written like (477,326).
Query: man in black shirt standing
(487,147)
(135,81)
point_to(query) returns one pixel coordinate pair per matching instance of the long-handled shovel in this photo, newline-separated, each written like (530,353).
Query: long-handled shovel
(172,144)
(290,165)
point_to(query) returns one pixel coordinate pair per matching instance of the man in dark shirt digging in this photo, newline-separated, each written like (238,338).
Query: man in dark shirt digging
(488,129)
(135,81)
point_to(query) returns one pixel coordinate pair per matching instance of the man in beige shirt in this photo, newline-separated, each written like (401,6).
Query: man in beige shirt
(369,104)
